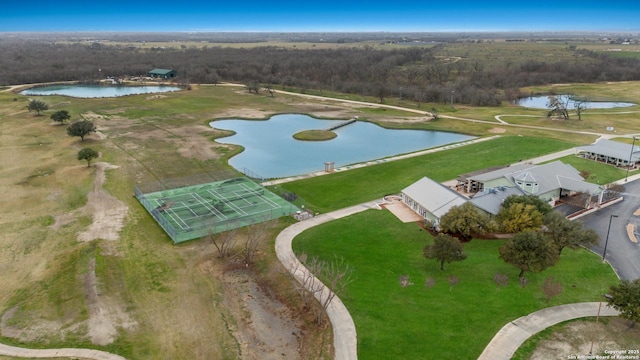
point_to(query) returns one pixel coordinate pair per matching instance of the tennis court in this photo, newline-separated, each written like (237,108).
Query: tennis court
(191,212)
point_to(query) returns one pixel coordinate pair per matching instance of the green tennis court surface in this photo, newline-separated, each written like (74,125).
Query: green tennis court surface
(192,212)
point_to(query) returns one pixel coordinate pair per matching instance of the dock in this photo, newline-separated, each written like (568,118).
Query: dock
(344,123)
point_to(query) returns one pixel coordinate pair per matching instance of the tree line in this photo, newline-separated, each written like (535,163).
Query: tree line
(415,73)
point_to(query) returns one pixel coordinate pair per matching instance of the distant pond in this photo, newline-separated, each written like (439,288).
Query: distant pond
(540,102)
(97,91)
(270,151)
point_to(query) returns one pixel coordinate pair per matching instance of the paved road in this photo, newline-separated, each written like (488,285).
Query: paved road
(622,254)
(512,335)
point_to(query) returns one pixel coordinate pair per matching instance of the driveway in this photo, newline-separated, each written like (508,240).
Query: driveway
(622,253)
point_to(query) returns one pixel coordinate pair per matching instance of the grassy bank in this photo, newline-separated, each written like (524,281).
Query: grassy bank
(341,189)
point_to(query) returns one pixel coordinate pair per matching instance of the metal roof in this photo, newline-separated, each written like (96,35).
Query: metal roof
(612,149)
(160,71)
(526,176)
(550,176)
(495,174)
(433,196)
(579,185)
(553,175)
(491,200)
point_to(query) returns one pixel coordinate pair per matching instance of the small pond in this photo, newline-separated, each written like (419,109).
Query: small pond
(540,102)
(270,151)
(98,91)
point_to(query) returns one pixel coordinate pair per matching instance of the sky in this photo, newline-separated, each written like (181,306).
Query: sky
(319,16)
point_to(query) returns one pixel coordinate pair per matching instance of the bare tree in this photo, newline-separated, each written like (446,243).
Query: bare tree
(224,242)
(580,199)
(256,234)
(501,279)
(551,288)
(429,283)
(613,191)
(453,281)
(434,114)
(253,86)
(270,90)
(558,106)
(585,174)
(337,275)
(579,105)
(381,91)
(304,279)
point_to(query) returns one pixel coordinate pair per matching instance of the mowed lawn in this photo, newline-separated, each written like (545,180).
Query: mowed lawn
(443,322)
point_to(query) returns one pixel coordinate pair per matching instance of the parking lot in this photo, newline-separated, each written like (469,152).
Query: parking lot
(621,252)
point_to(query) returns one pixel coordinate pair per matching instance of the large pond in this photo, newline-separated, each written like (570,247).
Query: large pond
(270,151)
(98,91)
(541,102)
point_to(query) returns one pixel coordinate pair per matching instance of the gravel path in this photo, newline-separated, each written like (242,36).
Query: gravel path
(58,353)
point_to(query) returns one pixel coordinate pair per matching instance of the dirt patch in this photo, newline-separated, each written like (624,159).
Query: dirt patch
(106,315)
(91,116)
(246,113)
(107,211)
(497,130)
(579,338)
(157,96)
(34,332)
(191,141)
(264,327)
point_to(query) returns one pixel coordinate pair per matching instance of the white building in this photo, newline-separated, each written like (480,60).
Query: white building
(430,199)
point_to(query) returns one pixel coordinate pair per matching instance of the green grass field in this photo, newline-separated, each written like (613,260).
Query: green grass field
(438,322)
(601,174)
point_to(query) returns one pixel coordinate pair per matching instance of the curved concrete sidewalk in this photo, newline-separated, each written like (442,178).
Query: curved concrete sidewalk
(345,340)
(505,343)
(58,353)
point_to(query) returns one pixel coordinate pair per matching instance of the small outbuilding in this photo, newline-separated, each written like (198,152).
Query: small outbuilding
(162,73)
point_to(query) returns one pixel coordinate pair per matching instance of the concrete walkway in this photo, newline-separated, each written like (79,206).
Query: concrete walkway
(512,335)
(57,353)
(345,341)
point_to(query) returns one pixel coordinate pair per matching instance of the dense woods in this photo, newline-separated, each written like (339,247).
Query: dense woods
(412,72)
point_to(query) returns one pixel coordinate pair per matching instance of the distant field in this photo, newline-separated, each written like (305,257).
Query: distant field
(148,45)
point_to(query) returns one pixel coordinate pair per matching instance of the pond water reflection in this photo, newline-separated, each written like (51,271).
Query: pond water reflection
(97,91)
(270,150)
(540,102)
